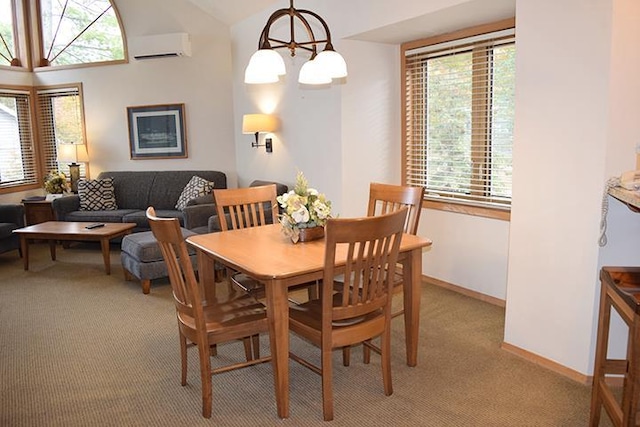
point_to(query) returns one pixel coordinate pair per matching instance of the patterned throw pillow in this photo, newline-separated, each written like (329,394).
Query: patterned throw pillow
(196,187)
(97,195)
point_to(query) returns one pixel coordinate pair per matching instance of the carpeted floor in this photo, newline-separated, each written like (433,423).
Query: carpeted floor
(80,348)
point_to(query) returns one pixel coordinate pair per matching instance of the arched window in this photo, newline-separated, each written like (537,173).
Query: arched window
(62,32)
(79,32)
(8,51)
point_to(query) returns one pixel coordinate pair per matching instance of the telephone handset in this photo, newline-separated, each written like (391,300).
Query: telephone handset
(630,180)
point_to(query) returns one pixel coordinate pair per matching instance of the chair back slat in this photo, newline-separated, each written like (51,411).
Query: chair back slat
(371,245)
(246,207)
(387,198)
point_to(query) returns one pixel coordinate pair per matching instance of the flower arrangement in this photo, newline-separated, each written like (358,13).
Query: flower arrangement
(303,207)
(56,183)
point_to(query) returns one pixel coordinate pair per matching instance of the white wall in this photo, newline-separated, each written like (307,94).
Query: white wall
(202,82)
(564,134)
(545,261)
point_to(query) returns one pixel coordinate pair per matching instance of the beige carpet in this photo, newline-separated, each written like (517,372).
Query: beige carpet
(80,348)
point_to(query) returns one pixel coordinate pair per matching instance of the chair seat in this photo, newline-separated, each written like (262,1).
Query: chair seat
(229,312)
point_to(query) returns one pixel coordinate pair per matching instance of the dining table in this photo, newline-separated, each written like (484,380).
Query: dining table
(268,256)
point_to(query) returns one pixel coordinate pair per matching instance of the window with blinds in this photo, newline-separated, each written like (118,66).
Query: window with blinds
(459,116)
(60,121)
(18,157)
(26,156)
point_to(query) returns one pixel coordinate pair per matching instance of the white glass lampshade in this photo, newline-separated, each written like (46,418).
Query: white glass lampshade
(333,63)
(312,73)
(265,66)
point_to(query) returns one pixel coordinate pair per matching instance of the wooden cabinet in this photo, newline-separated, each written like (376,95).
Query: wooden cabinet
(38,211)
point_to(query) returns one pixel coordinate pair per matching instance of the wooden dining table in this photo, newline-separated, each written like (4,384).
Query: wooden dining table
(268,256)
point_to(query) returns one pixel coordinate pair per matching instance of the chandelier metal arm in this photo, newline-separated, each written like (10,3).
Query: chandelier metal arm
(292,45)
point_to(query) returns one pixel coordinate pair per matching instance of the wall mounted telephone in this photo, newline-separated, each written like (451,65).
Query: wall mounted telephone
(630,180)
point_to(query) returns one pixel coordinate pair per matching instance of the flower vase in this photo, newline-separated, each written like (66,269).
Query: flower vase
(309,234)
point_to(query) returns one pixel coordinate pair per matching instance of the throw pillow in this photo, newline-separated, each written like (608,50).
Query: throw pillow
(196,187)
(97,195)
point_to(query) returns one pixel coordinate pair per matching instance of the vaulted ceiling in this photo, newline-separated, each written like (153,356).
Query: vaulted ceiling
(231,12)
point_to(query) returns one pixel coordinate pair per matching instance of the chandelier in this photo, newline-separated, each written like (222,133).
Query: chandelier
(266,65)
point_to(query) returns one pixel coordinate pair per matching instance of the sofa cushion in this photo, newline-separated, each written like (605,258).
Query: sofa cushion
(141,221)
(99,216)
(97,195)
(196,187)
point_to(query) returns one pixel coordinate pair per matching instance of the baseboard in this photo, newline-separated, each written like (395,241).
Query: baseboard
(459,289)
(549,364)
(527,355)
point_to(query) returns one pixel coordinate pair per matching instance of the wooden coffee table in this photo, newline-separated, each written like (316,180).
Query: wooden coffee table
(63,230)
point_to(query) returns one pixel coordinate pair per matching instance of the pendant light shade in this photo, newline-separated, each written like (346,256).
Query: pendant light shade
(312,73)
(333,63)
(265,66)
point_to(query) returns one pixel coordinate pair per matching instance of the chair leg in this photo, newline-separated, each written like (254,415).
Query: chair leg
(256,346)
(385,346)
(366,353)
(205,379)
(346,355)
(183,358)
(247,348)
(327,385)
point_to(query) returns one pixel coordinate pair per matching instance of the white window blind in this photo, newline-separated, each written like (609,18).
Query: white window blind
(459,113)
(18,159)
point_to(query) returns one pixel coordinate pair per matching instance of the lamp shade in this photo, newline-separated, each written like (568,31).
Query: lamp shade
(72,153)
(253,123)
(333,63)
(312,73)
(265,66)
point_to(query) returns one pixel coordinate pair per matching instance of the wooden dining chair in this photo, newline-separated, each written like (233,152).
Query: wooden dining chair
(236,316)
(384,199)
(361,309)
(243,208)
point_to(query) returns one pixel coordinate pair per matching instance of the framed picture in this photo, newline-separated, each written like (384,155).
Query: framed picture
(157,132)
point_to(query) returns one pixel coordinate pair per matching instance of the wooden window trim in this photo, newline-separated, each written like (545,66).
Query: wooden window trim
(499,214)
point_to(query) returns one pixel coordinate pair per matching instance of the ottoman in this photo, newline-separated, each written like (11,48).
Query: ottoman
(142,259)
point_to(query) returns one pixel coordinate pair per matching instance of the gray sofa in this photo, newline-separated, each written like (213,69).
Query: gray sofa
(11,218)
(135,191)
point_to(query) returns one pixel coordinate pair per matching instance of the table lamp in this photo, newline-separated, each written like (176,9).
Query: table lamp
(73,153)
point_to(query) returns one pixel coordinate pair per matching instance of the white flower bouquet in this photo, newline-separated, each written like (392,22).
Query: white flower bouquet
(303,208)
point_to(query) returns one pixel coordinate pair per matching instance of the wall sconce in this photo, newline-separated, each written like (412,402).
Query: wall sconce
(260,123)
(73,153)
(266,65)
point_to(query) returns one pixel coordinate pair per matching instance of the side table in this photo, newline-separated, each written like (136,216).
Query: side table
(37,211)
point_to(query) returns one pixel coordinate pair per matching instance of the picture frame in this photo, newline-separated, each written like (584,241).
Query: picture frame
(157,131)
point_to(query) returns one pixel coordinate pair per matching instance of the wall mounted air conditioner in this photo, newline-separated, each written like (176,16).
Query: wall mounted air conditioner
(160,46)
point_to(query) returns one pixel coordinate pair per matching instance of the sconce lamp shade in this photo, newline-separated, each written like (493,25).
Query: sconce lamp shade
(255,123)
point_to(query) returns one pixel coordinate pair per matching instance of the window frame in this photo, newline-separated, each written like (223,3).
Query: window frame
(29,42)
(44,160)
(430,202)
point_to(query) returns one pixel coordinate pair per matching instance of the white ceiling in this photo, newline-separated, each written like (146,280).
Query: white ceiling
(232,11)
(466,14)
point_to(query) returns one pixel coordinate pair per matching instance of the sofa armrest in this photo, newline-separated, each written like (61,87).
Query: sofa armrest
(12,213)
(65,205)
(198,215)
